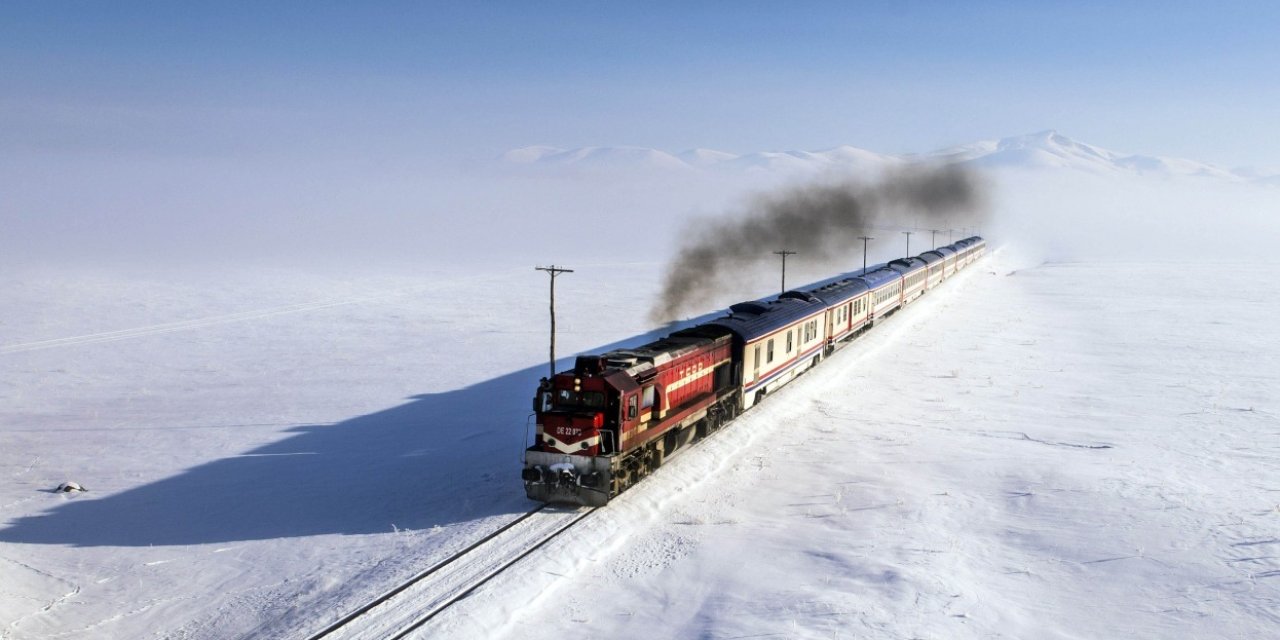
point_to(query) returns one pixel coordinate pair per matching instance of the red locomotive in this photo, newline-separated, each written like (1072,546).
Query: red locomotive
(613,418)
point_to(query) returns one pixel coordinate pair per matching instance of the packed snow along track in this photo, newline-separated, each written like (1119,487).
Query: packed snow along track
(414,603)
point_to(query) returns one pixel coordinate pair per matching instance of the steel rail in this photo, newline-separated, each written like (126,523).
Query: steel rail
(422,575)
(481,582)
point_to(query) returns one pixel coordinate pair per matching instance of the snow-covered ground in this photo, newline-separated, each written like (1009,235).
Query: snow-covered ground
(1074,450)
(261,447)
(1063,451)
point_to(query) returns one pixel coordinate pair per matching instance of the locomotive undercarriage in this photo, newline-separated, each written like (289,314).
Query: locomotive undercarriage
(593,480)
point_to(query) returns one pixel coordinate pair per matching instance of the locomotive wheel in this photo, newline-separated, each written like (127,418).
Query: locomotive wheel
(729,409)
(709,424)
(652,460)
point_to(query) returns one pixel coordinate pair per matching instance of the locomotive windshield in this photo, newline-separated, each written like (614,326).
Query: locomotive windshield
(567,400)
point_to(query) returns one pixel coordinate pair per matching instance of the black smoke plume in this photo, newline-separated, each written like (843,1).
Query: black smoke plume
(821,221)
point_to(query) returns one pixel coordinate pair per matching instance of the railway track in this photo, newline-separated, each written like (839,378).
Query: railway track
(415,602)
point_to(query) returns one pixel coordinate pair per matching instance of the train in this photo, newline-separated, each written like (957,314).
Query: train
(616,417)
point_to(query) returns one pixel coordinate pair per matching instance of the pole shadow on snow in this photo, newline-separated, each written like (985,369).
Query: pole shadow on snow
(438,459)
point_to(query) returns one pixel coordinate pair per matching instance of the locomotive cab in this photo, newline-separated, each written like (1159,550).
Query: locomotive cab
(612,418)
(577,414)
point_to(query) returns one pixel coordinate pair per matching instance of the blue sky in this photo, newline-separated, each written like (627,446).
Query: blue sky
(436,82)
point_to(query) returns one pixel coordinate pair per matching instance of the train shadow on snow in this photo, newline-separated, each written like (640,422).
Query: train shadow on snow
(435,460)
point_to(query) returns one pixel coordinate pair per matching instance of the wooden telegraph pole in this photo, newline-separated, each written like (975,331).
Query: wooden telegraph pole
(553,271)
(784,253)
(864,240)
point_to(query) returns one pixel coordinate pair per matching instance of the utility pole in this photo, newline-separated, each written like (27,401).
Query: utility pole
(864,240)
(949,240)
(908,234)
(784,253)
(553,271)
(934,239)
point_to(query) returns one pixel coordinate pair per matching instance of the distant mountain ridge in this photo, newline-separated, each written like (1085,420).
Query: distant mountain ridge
(1042,150)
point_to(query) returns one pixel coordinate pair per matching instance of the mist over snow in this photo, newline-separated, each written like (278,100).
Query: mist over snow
(1051,198)
(1076,217)
(538,204)
(1056,197)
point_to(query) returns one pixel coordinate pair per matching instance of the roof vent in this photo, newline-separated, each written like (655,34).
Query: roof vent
(804,296)
(621,362)
(749,307)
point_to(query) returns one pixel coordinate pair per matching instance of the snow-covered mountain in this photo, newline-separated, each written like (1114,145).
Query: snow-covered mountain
(1046,150)
(642,158)
(598,157)
(645,158)
(1050,149)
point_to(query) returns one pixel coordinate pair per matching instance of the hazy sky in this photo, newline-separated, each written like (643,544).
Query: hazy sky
(418,79)
(170,126)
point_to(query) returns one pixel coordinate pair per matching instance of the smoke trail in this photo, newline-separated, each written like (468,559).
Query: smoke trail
(821,221)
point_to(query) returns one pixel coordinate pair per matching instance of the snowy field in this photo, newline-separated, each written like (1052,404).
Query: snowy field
(1065,451)
(260,448)
(1079,450)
